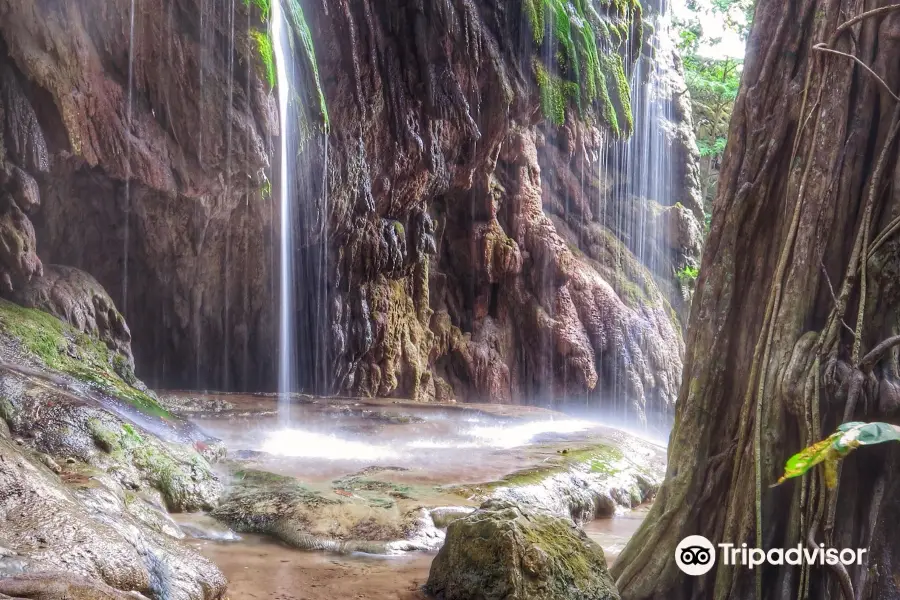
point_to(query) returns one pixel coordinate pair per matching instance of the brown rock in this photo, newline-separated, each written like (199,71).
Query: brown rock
(77,298)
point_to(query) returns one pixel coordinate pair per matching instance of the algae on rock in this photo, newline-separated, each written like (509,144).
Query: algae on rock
(504,551)
(60,347)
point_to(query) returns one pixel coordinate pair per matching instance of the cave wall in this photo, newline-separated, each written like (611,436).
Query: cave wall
(464,253)
(158,195)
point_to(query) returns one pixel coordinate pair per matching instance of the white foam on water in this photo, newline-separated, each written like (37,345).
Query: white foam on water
(439,444)
(298,443)
(520,434)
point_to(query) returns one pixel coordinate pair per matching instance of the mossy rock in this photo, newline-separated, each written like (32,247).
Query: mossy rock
(504,551)
(58,346)
(587,71)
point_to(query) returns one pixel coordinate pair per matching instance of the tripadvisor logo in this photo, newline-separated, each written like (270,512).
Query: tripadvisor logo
(696,555)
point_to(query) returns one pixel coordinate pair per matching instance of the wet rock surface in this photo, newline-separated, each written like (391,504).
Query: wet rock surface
(285,508)
(77,298)
(58,587)
(87,477)
(428,255)
(397,491)
(504,551)
(82,521)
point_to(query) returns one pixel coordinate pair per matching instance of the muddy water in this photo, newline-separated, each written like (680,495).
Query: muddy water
(259,567)
(613,534)
(422,447)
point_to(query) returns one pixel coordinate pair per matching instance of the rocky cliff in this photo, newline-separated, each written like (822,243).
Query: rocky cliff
(458,240)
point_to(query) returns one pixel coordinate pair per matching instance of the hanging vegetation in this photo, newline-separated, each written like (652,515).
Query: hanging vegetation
(584,41)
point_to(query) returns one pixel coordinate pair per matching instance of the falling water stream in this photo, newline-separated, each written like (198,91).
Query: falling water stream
(287,338)
(430,447)
(644,166)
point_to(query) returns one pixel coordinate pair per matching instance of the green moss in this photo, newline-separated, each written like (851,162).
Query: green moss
(357,484)
(598,458)
(556,94)
(587,70)
(131,436)
(306,50)
(7,413)
(106,438)
(174,481)
(266,54)
(264,7)
(554,537)
(263,479)
(63,348)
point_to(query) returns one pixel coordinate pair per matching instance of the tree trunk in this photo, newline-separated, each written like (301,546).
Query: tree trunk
(810,185)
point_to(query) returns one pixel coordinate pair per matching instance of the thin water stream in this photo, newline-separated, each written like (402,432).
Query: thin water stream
(287,332)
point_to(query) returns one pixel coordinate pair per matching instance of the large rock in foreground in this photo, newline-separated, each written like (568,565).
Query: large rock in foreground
(504,552)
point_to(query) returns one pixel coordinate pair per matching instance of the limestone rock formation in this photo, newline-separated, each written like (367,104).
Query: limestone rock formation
(477,227)
(90,466)
(59,587)
(503,551)
(283,507)
(453,244)
(154,188)
(77,298)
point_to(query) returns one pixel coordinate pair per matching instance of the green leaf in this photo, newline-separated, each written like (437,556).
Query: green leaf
(847,438)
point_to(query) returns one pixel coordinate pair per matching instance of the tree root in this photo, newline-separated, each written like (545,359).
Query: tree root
(839,571)
(884,85)
(861,17)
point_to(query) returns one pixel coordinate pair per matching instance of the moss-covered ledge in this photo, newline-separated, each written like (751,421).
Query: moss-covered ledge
(39,338)
(584,483)
(580,60)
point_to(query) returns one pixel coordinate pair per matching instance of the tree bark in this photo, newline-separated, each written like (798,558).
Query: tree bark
(801,233)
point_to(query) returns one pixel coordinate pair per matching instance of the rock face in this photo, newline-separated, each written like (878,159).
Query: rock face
(90,465)
(474,261)
(154,189)
(77,298)
(463,241)
(503,551)
(46,587)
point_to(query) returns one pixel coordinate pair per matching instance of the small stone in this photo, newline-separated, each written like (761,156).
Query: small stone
(51,464)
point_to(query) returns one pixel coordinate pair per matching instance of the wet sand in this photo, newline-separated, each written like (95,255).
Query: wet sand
(259,567)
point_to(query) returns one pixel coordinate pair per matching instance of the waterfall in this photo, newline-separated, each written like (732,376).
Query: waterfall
(644,167)
(287,342)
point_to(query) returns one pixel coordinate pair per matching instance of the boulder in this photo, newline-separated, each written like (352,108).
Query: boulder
(77,298)
(59,587)
(283,507)
(504,552)
(79,524)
